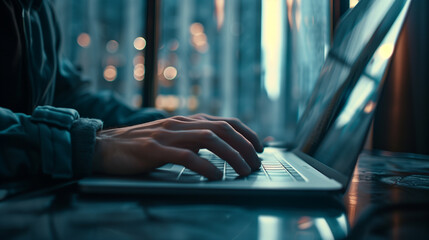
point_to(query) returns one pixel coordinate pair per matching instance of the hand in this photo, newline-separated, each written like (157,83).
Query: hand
(142,148)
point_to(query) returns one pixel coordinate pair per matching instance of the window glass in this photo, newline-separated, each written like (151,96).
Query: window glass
(252,59)
(104,38)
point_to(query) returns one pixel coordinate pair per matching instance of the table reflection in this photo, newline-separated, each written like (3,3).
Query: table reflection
(71,217)
(387,198)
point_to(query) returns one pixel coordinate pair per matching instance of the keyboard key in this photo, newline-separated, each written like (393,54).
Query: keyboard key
(278,173)
(232,174)
(271,170)
(274,168)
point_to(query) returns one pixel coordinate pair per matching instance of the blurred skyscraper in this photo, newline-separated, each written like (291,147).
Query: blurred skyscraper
(252,59)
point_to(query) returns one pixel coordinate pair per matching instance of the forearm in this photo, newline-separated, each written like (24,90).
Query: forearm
(53,142)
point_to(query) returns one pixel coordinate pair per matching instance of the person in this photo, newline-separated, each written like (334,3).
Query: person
(52,125)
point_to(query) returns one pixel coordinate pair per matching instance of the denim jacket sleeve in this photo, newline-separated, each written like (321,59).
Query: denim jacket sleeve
(52,141)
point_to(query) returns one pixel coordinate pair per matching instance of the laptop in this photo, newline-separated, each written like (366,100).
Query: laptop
(330,133)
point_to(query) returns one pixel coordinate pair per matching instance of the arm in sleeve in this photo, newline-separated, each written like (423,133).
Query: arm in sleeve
(72,91)
(52,141)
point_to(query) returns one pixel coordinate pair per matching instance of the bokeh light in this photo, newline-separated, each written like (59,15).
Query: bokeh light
(196,28)
(352,3)
(139,72)
(139,43)
(170,73)
(174,45)
(169,103)
(84,40)
(199,38)
(110,73)
(112,46)
(386,50)
(139,59)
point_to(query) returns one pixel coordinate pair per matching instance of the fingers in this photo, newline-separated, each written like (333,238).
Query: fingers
(240,127)
(191,139)
(132,156)
(191,161)
(224,131)
(144,147)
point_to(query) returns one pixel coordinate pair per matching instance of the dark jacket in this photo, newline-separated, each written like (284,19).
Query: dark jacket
(48,117)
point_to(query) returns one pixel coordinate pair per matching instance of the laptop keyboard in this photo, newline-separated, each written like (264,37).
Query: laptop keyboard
(271,170)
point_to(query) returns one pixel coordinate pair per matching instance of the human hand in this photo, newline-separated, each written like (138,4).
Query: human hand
(142,148)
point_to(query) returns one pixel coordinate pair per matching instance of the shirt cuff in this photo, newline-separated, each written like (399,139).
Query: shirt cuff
(83,134)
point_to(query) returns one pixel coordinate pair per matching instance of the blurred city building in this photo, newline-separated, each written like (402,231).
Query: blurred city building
(252,59)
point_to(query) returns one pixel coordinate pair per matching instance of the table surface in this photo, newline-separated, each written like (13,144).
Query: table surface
(387,198)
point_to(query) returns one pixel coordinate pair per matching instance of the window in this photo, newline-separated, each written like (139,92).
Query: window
(252,59)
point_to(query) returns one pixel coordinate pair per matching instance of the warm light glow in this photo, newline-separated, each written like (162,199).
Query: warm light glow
(112,46)
(386,50)
(369,107)
(170,73)
(196,28)
(289,7)
(353,197)
(193,103)
(199,40)
(167,102)
(110,73)
(305,223)
(220,13)
(160,69)
(139,59)
(139,72)
(84,40)
(139,43)
(272,46)
(174,45)
(353,3)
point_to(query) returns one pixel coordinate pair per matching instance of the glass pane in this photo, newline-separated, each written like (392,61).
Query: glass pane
(251,59)
(210,57)
(104,38)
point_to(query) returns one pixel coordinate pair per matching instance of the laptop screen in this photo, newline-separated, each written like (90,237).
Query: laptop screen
(334,126)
